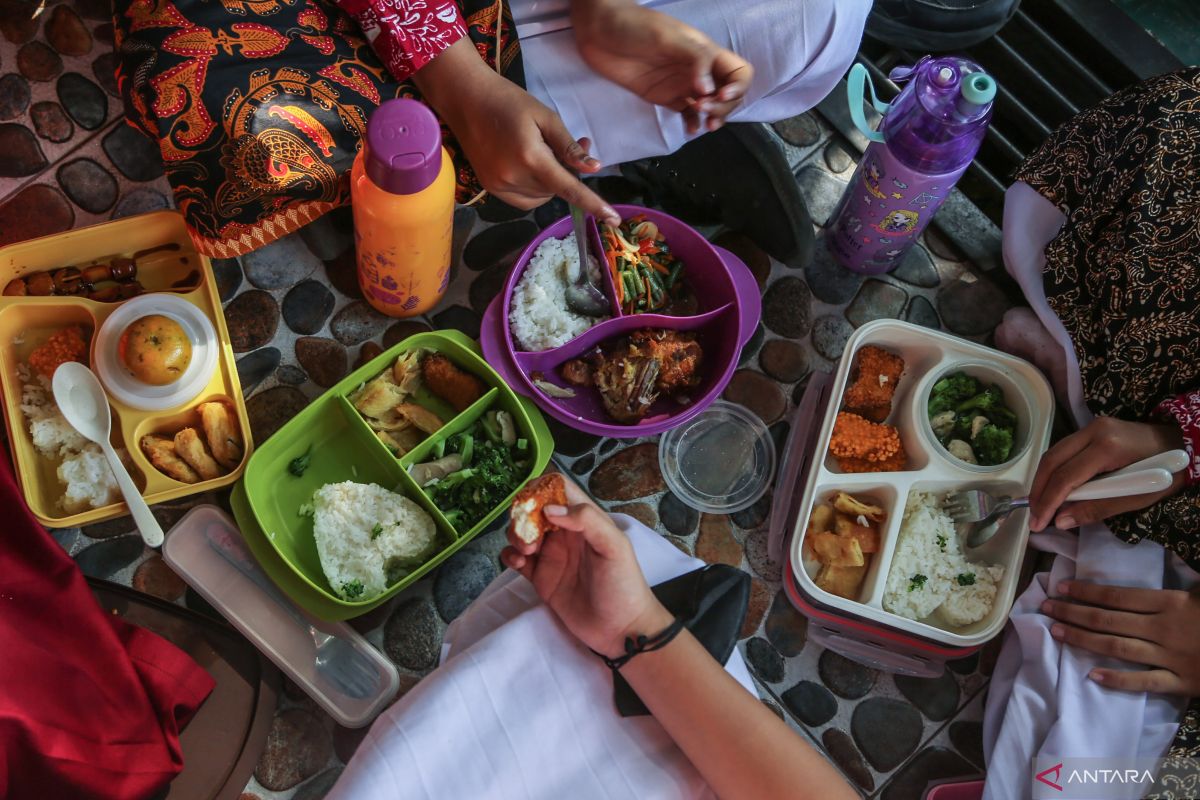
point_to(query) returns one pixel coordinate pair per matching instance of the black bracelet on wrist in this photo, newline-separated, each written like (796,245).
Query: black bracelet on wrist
(643,644)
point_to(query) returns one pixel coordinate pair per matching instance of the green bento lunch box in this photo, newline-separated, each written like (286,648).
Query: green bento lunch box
(344,448)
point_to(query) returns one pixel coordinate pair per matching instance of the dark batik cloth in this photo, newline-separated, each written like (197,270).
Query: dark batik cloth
(1123,275)
(258,106)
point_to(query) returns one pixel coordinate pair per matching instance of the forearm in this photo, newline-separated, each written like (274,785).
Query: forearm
(735,742)
(448,81)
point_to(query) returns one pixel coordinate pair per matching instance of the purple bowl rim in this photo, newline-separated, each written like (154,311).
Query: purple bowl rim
(546,403)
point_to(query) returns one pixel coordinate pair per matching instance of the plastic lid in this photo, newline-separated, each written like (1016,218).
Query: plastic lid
(404,147)
(720,461)
(355,682)
(979,88)
(119,381)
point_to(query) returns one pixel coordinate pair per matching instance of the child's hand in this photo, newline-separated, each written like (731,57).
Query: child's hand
(519,148)
(1155,627)
(586,572)
(1104,445)
(662,60)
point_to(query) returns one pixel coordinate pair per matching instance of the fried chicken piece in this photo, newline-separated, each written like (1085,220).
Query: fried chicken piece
(161,452)
(456,386)
(528,522)
(190,447)
(627,386)
(578,372)
(874,378)
(855,437)
(679,356)
(895,463)
(221,432)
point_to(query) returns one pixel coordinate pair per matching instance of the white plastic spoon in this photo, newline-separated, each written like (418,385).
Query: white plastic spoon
(83,402)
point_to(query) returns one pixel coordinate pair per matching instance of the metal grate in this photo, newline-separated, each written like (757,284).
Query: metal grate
(1053,59)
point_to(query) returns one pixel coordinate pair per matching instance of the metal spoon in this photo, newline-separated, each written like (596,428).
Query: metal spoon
(84,404)
(582,296)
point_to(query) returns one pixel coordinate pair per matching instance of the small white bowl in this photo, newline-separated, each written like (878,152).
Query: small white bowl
(1016,397)
(120,383)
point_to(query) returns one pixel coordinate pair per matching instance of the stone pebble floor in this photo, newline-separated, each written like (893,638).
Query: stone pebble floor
(299,324)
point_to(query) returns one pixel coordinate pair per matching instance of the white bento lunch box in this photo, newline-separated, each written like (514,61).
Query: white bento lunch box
(861,628)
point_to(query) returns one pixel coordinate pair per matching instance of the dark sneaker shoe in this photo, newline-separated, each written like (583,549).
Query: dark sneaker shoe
(737,176)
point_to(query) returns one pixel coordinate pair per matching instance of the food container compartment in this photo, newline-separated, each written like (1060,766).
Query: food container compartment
(337,450)
(927,355)
(167,261)
(720,346)
(493,400)
(344,448)
(208,552)
(919,356)
(729,309)
(870,489)
(170,424)
(1016,397)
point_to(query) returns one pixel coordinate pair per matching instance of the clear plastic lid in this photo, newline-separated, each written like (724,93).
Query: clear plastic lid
(348,677)
(720,461)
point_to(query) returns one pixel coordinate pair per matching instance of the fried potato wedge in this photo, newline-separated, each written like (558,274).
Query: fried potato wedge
(842,581)
(855,507)
(838,551)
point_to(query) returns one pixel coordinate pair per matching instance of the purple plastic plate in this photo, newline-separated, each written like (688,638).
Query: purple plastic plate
(730,307)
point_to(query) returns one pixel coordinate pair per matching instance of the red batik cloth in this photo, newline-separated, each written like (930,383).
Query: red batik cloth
(90,706)
(1185,410)
(407,34)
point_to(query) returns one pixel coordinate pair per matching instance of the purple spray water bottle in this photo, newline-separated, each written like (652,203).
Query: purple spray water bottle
(928,137)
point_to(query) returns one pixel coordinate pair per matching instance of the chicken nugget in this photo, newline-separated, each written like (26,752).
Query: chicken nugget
(456,386)
(161,452)
(190,447)
(222,434)
(528,522)
(874,378)
(855,437)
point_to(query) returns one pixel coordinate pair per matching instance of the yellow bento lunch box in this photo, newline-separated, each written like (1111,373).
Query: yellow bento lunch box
(155,250)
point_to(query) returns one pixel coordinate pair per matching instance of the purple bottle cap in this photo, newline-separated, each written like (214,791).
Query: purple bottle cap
(404,147)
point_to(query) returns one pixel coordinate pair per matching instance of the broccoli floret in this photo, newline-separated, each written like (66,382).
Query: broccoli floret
(992,445)
(990,398)
(951,390)
(352,590)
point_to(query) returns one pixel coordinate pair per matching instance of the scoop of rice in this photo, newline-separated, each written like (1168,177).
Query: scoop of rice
(539,315)
(83,470)
(928,546)
(367,536)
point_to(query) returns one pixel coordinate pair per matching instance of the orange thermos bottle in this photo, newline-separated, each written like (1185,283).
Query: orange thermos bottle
(402,193)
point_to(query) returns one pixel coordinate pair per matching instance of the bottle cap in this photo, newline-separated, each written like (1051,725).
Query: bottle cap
(404,147)
(979,88)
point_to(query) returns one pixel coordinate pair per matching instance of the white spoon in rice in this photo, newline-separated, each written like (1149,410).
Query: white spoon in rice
(84,404)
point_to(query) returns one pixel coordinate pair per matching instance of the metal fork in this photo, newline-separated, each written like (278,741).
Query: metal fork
(337,660)
(983,510)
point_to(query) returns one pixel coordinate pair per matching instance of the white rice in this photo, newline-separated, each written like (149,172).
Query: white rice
(928,546)
(83,470)
(539,315)
(345,518)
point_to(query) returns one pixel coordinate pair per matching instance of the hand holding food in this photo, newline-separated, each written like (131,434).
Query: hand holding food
(662,60)
(528,522)
(584,569)
(1104,445)
(1155,628)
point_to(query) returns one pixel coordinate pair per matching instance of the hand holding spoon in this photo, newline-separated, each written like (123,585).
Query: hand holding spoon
(84,404)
